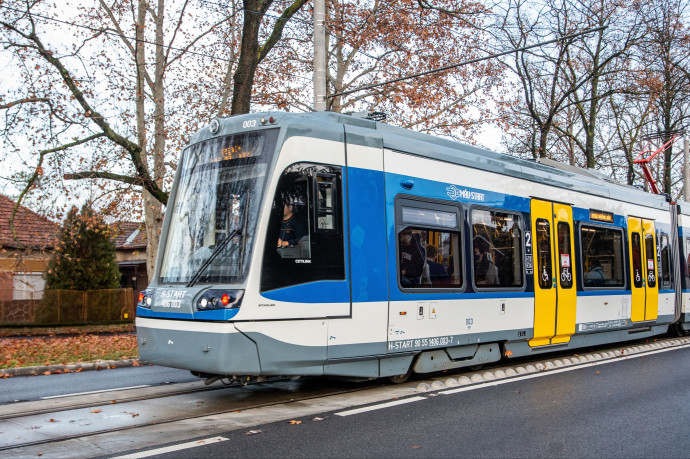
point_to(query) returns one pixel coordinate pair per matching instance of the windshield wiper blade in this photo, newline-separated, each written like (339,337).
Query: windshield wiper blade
(213,256)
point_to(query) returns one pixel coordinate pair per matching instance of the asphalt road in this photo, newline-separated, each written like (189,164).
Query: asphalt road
(29,388)
(632,408)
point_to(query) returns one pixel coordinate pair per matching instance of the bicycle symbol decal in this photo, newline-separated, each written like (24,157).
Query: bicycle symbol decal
(566,276)
(651,277)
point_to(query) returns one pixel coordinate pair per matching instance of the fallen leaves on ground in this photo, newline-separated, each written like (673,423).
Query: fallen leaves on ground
(293,422)
(66,349)
(253,432)
(96,410)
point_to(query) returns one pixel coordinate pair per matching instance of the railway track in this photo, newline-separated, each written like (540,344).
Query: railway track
(38,423)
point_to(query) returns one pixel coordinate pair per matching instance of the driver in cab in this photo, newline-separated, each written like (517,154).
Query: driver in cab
(292,229)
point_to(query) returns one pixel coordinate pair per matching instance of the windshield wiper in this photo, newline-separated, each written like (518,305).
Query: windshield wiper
(213,256)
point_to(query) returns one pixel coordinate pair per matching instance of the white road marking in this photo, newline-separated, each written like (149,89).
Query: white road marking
(95,392)
(380,406)
(173,448)
(558,370)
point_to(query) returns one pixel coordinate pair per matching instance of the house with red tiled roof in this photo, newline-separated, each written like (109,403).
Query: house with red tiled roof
(130,244)
(24,257)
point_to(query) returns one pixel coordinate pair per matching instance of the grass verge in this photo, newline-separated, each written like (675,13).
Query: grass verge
(67,345)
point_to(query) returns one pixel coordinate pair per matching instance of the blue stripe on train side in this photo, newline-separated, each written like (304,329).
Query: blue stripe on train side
(216,314)
(453,192)
(313,292)
(367,235)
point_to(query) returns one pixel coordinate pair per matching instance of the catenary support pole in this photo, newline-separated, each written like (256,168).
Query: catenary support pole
(319,55)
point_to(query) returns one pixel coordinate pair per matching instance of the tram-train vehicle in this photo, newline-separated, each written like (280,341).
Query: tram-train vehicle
(331,244)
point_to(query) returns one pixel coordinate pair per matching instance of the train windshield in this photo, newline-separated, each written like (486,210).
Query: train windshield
(216,208)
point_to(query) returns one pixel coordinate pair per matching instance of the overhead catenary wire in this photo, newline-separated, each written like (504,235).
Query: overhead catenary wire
(471,61)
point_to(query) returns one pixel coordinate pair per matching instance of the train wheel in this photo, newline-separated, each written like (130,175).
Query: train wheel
(399,379)
(678,330)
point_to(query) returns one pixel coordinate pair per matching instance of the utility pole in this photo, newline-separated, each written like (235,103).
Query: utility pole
(320,55)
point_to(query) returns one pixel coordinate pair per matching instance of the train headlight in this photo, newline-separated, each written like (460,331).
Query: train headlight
(145,299)
(219,299)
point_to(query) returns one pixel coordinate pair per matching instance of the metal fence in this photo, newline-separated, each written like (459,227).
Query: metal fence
(70,307)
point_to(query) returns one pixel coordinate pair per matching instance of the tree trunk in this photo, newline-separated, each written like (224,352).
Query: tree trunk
(254,11)
(153,211)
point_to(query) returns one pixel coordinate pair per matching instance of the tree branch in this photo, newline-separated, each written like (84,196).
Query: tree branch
(27,100)
(104,175)
(132,148)
(277,32)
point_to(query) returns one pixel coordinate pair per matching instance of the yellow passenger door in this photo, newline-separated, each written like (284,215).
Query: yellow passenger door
(555,295)
(643,278)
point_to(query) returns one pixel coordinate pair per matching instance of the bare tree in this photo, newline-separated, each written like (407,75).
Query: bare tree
(666,54)
(141,157)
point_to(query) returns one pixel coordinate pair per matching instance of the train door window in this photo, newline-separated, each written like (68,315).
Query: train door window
(650,256)
(665,262)
(497,249)
(602,257)
(428,245)
(304,241)
(543,242)
(636,256)
(565,259)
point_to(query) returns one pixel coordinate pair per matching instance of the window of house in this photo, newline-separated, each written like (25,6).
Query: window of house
(603,256)
(428,245)
(304,242)
(497,249)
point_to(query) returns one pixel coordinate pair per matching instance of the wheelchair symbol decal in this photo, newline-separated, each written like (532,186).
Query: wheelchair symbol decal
(544,275)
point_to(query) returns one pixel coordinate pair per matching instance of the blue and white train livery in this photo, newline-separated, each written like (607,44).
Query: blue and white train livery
(326,244)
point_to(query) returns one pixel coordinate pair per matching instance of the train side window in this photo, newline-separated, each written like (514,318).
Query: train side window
(543,242)
(428,245)
(497,249)
(665,262)
(602,256)
(304,241)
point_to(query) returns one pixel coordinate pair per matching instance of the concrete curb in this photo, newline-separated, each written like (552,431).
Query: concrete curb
(74,368)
